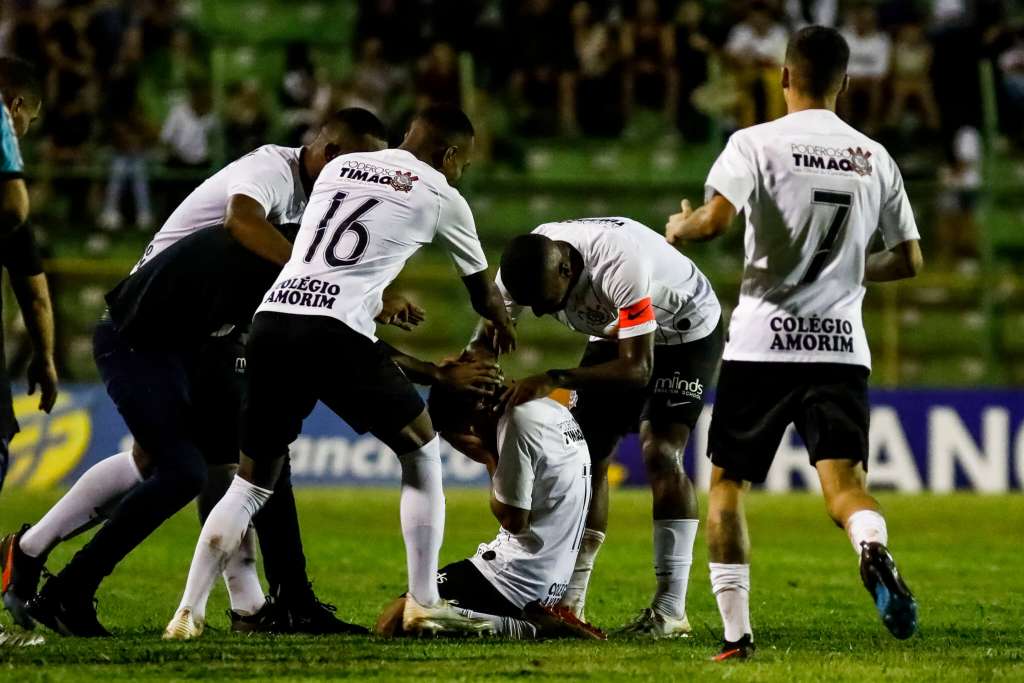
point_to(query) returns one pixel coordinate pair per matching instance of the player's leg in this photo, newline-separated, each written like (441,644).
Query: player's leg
(575,596)
(729,561)
(834,425)
(151,392)
(89,501)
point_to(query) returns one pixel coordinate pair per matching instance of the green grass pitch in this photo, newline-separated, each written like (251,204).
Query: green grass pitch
(813,620)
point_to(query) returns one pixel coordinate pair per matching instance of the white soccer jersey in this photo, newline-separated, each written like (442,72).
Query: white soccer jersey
(543,467)
(368,214)
(633,283)
(815,191)
(270,174)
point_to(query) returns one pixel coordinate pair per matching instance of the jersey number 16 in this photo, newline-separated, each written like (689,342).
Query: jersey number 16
(350,224)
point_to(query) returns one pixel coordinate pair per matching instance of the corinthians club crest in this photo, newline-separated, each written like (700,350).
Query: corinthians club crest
(859,158)
(402,181)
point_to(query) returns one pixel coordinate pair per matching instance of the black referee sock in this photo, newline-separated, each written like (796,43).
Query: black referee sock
(277,526)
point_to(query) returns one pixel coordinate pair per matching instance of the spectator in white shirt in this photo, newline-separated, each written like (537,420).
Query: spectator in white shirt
(870,51)
(189,127)
(755,49)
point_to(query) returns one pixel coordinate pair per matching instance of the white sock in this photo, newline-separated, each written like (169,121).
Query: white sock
(241,579)
(504,627)
(422,514)
(673,555)
(731,586)
(104,483)
(575,596)
(221,536)
(866,526)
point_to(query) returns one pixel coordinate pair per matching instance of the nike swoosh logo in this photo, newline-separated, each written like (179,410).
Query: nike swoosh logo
(673,404)
(634,316)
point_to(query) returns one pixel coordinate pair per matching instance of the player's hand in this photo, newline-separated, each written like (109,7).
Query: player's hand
(400,312)
(526,390)
(481,377)
(43,373)
(503,336)
(677,222)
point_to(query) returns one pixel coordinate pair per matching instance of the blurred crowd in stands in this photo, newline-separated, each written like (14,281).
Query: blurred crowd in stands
(686,71)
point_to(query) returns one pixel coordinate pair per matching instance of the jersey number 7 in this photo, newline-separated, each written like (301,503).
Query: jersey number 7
(842,201)
(350,224)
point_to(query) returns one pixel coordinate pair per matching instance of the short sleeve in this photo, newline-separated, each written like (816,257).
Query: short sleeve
(896,220)
(457,231)
(733,175)
(11,164)
(626,281)
(268,184)
(514,309)
(513,477)
(20,253)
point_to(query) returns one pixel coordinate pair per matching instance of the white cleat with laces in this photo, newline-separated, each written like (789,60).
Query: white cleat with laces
(184,626)
(440,619)
(654,624)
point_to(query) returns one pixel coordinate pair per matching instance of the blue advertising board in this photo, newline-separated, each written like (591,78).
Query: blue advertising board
(921,440)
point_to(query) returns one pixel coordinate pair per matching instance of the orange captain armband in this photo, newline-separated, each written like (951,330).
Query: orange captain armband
(640,313)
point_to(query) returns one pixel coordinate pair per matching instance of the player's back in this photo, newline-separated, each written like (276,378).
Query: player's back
(815,191)
(554,463)
(368,213)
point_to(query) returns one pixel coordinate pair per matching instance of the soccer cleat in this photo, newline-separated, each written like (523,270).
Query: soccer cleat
(441,618)
(740,649)
(184,626)
(895,603)
(16,639)
(266,620)
(578,608)
(307,614)
(560,622)
(19,578)
(67,615)
(654,624)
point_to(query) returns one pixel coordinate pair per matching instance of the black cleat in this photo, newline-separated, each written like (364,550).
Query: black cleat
(267,620)
(895,603)
(19,578)
(68,616)
(307,614)
(740,649)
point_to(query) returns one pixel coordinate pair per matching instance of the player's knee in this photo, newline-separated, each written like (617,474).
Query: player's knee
(662,457)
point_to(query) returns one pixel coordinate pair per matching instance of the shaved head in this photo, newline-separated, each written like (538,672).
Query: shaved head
(537,272)
(816,60)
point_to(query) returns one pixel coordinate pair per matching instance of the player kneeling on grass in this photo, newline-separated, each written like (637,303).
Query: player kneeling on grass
(540,471)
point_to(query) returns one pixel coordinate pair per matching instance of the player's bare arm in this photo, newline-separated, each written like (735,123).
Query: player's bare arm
(899,263)
(472,376)
(512,519)
(489,304)
(706,223)
(398,311)
(33,297)
(14,205)
(247,222)
(632,369)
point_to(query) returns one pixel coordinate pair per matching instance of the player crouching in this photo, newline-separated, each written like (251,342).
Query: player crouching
(540,472)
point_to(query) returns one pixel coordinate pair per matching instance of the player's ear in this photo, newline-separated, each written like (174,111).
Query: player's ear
(331,150)
(449,156)
(785,78)
(844,85)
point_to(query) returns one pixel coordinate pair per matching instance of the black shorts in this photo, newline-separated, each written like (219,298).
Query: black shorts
(462,581)
(292,361)
(675,395)
(755,402)
(217,375)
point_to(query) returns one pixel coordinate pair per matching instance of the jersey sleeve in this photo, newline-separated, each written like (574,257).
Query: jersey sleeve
(513,477)
(457,231)
(11,165)
(514,309)
(627,282)
(265,183)
(896,220)
(733,175)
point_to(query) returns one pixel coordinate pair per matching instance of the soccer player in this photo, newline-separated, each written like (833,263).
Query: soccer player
(540,489)
(20,104)
(655,341)
(313,338)
(815,193)
(167,352)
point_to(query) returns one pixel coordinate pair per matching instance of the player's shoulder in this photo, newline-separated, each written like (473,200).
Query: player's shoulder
(539,414)
(269,157)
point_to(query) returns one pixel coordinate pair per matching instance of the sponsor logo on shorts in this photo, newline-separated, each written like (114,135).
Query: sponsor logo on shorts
(400,181)
(677,385)
(240,365)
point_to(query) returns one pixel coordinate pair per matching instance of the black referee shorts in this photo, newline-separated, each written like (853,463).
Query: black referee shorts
(681,376)
(756,402)
(292,361)
(217,376)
